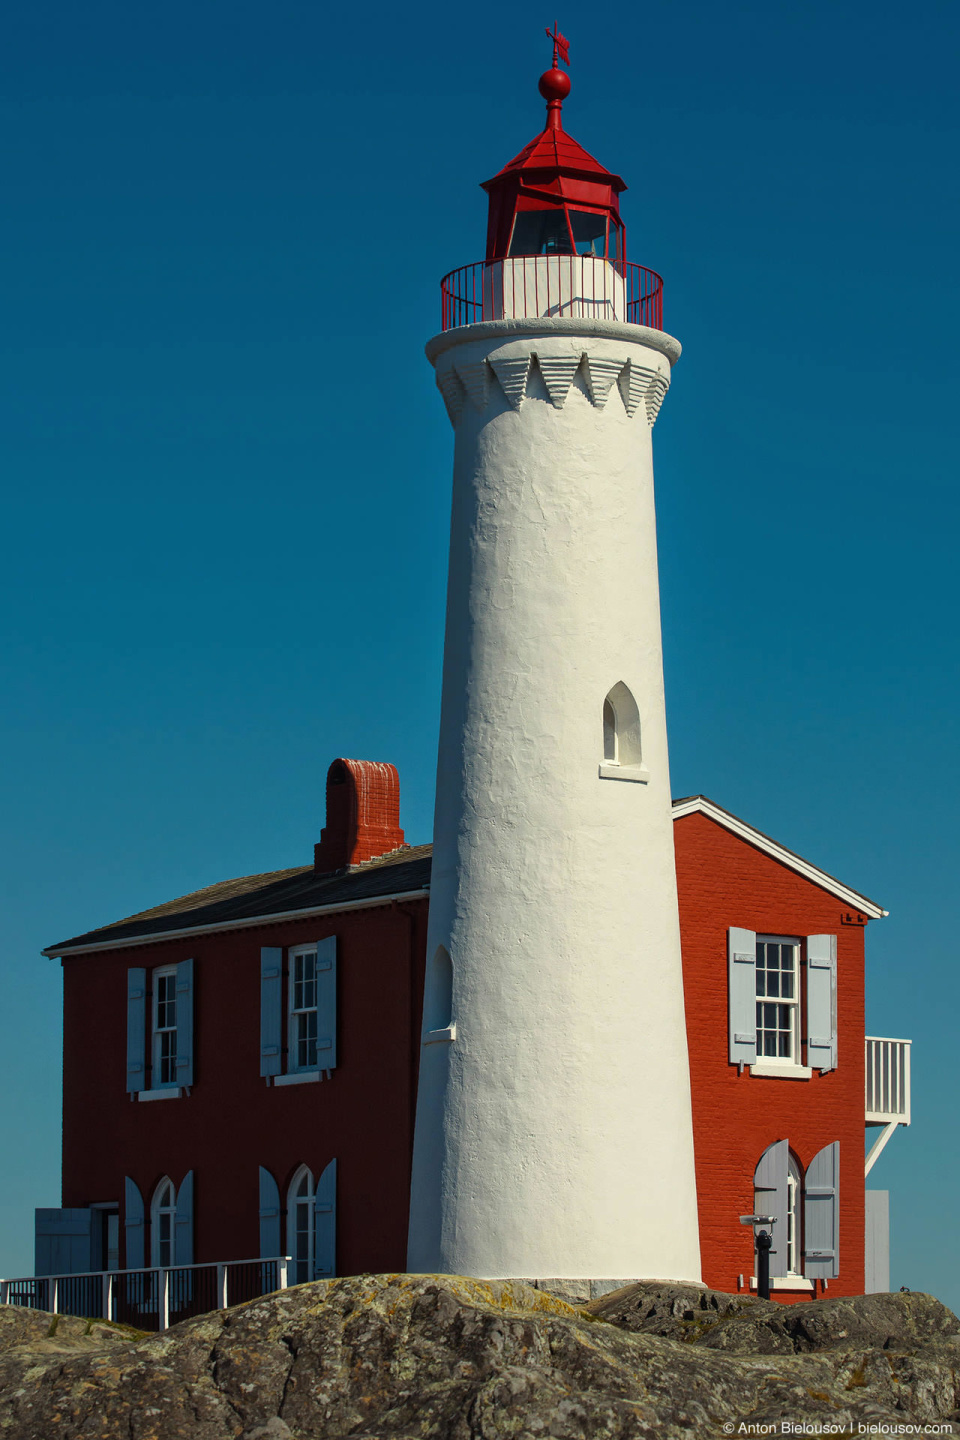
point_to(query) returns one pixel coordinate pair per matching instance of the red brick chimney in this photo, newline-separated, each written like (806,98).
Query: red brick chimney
(363,814)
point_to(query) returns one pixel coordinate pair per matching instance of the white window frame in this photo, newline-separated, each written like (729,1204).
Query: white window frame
(157,1032)
(293,1015)
(790,1066)
(159,1212)
(793,1218)
(307,1262)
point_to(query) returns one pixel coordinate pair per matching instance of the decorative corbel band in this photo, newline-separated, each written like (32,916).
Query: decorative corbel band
(478,382)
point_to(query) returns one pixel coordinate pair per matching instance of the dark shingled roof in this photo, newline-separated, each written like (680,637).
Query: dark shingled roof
(277,893)
(283,892)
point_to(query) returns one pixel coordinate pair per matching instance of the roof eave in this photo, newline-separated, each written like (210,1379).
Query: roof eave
(56,952)
(689,805)
(699,804)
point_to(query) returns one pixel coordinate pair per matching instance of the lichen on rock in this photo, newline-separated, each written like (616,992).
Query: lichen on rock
(417,1356)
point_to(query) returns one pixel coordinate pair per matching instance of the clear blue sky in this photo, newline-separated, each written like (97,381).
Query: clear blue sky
(226,468)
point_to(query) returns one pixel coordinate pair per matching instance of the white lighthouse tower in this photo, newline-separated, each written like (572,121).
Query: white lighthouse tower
(553,1135)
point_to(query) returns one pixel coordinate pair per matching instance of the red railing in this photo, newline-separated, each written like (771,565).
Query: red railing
(572,286)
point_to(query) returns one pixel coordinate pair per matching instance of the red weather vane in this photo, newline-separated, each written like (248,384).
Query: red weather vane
(561,45)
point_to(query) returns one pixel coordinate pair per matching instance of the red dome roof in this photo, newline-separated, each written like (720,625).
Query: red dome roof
(557,153)
(552,171)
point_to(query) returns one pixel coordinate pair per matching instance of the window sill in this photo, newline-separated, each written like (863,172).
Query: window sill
(169,1092)
(435,1037)
(298,1077)
(786,1282)
(771,1070)
(639,774)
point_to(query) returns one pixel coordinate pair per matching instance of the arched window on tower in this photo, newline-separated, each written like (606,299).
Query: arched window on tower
(622,752)
(438,999)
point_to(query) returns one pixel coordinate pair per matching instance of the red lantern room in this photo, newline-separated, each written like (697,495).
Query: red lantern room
(555,240)
(554,198)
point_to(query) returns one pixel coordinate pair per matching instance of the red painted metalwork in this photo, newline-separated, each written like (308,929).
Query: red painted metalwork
(561,45)
(554,85)
(550,173)
(578,286)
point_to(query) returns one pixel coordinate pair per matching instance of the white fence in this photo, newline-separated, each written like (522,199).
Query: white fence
(149,1299)
(888,1081)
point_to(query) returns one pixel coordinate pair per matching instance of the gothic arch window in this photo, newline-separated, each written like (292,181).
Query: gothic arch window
(163,1219)
(438,998)
(300,1225)
(622,751)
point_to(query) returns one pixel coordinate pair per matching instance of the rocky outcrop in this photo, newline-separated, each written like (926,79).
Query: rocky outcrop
(747,1326)
(407,1357)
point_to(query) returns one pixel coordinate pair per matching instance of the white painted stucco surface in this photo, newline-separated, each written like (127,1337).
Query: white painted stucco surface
(577,286)
(554,1133)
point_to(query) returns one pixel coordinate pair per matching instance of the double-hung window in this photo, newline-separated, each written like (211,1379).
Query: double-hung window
(298,1012)
(160,1030)
(782,1003)
(165,1027)
(302,1034)
(778,999)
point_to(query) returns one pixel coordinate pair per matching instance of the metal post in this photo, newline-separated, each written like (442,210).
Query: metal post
(54,1295)
(221,1286)
(163,1289)
(764,1243)
(283,1281)
(107,1302)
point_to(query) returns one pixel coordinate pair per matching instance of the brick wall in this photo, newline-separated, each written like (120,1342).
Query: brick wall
(232,1122)
(725,881)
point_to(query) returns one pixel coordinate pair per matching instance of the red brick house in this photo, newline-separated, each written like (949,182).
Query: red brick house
(240,1064)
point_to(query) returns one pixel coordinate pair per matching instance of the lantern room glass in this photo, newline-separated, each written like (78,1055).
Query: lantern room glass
(589,232)
(564,231)
(541,232)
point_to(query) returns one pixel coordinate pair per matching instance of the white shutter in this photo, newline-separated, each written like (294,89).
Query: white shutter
(136,1030)
(133,1225)
(269,1216)
(742,990)
(325,1222)
(822,1002)
(271,1010)
(183,1224)
(184,1071)
(821,1214)
(327,1003)
(770,1198)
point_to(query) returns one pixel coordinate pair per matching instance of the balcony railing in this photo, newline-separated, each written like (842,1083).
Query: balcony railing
(551,286)
(149,1299)
(888,1081)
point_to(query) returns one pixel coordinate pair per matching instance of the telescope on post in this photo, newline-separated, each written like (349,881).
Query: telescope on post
(764,1241)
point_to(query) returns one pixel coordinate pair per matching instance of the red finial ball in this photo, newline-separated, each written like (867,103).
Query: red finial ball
(554,85)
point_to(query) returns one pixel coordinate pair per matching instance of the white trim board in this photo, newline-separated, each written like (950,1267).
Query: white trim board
(690,805)
(699,804)
(307,913)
